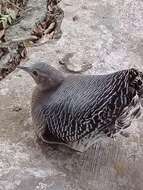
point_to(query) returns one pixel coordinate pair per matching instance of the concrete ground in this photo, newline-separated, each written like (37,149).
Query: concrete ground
(109,35)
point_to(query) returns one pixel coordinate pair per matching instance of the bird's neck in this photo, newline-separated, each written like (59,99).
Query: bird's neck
(50,81)
(36,96)
(39,95)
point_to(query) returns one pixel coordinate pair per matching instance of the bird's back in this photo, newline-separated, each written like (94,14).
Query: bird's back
(83,103)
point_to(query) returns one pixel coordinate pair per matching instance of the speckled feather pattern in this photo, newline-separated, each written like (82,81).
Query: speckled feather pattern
(86,104)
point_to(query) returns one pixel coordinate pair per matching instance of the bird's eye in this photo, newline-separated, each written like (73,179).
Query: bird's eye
(35,73)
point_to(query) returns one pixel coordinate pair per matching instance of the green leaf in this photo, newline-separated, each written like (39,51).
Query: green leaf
(11,13)
(9,19)
(4,23)
(4,17)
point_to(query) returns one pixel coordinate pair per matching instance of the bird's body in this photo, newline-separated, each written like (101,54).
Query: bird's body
(80,108)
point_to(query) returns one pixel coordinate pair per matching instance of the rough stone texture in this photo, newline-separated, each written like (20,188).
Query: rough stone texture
(36,10)
(107,34)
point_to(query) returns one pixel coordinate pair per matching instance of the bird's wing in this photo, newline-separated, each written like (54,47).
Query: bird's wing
(84,104)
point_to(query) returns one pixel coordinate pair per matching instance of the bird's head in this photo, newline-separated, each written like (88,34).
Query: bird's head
(45,76)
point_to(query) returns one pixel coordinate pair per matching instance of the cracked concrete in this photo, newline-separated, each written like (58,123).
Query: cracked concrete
(109,35)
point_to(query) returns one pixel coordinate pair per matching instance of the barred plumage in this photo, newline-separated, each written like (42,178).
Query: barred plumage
(77,109)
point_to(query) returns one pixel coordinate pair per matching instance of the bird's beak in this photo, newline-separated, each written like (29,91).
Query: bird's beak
(25,68)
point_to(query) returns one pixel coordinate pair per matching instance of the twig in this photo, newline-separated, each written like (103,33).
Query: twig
(30,38)
(42,43)
(14,5)
(6,44)
(24,39)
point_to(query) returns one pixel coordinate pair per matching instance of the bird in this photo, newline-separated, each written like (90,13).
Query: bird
(77,110)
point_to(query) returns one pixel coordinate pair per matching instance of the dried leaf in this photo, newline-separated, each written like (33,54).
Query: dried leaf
(23,53)
(50,28)
(28,43)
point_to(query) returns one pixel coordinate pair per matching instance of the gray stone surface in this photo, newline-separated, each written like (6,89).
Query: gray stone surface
(35,11)
(107,34)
